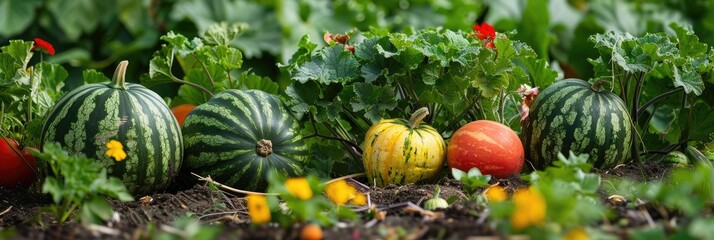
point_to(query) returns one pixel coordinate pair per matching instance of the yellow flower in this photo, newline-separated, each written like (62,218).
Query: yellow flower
(339,192)
(530,208)
(495,193)
(360,199)
(115,150)
(299,187)
(578,233)
(258,209)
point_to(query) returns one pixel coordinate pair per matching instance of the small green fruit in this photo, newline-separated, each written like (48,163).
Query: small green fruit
(436,202)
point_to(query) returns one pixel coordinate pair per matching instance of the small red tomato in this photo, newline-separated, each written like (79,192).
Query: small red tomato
(13,170)
(490,146)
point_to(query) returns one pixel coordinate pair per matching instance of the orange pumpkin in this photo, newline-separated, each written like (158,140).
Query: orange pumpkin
(181,111)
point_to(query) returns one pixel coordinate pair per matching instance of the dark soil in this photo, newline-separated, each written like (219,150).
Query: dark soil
(22,215)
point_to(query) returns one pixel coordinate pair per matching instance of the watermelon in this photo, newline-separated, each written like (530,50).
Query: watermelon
(87,118)
(238,136)
(574,115)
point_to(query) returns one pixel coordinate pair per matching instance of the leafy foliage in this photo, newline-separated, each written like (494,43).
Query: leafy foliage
(472,180)
(208,64)
(645,70)
(77,181)
(26,92)
(391,74)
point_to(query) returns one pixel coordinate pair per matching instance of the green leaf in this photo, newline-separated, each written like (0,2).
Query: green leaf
(96,211)
(253,81)
(80,16)
(15,58)
(94,76)
(303,96)
(133,15)
(534,25)
(688,78)
(331,65)
(223,34)
(689,44)
(115,189)
(540,72)
(227,57)
(192,94)
(702,120)
(373,100)
(16,15)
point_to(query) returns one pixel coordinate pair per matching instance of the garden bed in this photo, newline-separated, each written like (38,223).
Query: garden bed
(226,213)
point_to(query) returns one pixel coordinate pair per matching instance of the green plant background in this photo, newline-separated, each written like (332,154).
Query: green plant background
(96,34)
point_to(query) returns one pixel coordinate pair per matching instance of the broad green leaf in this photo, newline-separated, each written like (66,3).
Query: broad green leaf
(689,44)
(702,120)
(80,16)
(541,74)
(253,81)
(534,26)
(688,78)
(95,211)
(94,76)
(227,57)
(371,99)
(16,15)
(223,34)
(332,64)
(19,52)
(581,49)
(133,14)
(303,95)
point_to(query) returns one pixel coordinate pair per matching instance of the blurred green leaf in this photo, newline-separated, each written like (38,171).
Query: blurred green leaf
(80,16)
(16,15)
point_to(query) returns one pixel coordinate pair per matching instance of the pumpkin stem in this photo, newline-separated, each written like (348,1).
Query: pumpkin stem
(119,79)
(264,148)
(417,116)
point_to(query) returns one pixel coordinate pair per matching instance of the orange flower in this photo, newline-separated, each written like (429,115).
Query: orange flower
(495,193)
(44,45)
(258,209)
(299,187)
(578,233)
(339,192)
(115,150)
(360,199)
(530,208)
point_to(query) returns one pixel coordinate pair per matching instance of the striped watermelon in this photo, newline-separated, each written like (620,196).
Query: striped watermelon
(238,136)
(85,119)
(573,115)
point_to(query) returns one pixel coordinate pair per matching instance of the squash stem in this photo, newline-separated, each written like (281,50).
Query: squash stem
(418,116)
(119,79)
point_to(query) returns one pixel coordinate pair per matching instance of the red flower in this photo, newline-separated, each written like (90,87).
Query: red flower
(484,31)
(44,45)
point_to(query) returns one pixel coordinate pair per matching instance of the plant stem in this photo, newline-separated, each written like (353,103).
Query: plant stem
(351,145)
(199,87)
(635,116)
(658,98)
(210,78)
